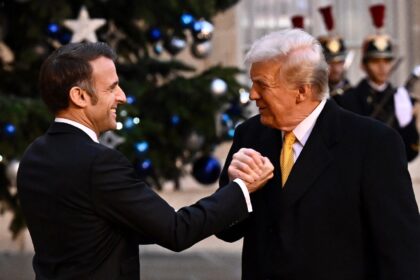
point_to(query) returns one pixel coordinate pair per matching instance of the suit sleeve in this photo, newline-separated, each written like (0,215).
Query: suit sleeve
(235,231)
(390,208)
(120,197)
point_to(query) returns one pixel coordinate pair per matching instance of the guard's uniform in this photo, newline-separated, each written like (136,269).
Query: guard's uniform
(381,105)
(335,51)
(390,105)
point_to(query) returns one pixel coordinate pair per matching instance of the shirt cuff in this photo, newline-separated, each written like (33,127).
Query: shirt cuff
(246,193)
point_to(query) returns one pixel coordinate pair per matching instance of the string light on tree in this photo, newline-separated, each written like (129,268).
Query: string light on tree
(187,20)
(141,146)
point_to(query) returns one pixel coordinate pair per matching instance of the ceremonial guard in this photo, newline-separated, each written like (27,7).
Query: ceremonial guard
(336,55)
(375,96)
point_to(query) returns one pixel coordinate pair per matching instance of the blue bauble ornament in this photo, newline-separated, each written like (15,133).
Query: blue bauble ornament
(64,38)
(175,120)
(9,129)
(144,167)
(155,34)
(206,170)
(131,99)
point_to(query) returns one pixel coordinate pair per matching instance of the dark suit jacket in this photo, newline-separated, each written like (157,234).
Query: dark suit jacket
(87,211)
(347,210)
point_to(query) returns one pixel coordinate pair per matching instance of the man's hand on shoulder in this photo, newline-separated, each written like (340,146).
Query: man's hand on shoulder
(251,167)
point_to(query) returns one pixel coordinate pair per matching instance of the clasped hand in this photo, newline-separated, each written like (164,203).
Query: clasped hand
(250,166)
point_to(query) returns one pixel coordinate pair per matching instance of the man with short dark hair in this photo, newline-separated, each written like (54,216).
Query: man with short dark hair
(85,208)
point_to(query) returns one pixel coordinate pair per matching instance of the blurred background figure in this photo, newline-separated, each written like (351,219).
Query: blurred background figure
(336,55)
(375,96)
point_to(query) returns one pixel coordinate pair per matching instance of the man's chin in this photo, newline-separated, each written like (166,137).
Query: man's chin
(266,121)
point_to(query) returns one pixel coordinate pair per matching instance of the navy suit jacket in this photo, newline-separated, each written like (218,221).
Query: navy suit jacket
(347,210)
(87,211)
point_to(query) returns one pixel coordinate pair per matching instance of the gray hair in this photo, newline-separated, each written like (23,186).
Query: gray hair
(303,61)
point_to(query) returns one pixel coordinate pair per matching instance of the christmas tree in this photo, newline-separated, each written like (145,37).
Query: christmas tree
(174,116)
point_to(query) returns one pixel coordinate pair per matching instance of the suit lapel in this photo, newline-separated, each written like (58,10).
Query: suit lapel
(269,145)
(315,156)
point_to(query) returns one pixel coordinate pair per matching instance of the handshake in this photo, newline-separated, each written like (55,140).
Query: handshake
(251,167)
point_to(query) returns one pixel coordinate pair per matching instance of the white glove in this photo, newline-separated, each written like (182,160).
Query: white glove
(403,107)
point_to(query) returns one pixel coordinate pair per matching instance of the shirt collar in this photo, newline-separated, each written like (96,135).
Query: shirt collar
(304,128)
(80,126)
(377,87)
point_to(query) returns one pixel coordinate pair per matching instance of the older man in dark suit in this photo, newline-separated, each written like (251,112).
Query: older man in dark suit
(86,209)
(341,203)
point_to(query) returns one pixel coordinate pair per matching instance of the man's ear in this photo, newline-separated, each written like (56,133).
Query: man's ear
(79,97)
(304,92)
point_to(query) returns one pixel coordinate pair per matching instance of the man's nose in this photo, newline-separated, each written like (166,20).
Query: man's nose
(121,98)
(253,94)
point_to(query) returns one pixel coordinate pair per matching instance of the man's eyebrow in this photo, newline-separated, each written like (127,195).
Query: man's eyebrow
(113,85)
(259,79)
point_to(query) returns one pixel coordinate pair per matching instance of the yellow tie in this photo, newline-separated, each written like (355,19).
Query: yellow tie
(286,156)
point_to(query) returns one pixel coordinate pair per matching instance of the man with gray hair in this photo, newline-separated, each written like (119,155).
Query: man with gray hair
(340,204)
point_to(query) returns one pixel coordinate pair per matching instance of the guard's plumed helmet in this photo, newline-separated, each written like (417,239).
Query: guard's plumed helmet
(333,45)
(378,45)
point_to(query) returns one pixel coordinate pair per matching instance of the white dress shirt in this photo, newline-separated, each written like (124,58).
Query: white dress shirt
(80,126)
(304,129)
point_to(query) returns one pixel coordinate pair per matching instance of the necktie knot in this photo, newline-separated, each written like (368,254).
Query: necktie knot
(289,138)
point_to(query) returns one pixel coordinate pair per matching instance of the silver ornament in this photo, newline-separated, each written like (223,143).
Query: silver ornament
(110,139)
(203,30)
(174,45)
(195,141)
(201,50)
(218,87)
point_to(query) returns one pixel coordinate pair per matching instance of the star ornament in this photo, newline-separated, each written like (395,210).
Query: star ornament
(84,27)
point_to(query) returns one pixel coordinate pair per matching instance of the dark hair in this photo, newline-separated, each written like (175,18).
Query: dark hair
(67,67)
